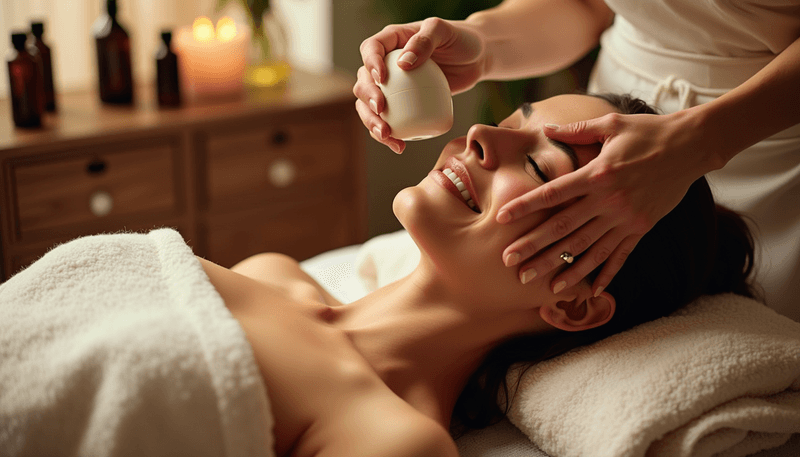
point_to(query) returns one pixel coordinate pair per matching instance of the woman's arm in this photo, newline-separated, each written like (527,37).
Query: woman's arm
(644,168)
(525,38)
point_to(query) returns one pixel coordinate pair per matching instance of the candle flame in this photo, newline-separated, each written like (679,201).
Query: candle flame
(226,29)
(203,29)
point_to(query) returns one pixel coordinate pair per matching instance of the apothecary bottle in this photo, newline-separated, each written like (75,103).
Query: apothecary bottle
(167,86)
(45,54)
(114,70)
(25,82)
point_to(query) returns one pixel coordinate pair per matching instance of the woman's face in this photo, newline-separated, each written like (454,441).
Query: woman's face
(458,231)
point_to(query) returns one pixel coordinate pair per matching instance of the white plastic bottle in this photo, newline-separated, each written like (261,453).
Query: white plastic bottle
(418,102)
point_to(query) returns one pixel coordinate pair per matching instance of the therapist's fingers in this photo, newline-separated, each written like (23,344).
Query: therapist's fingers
(378,129)
(556,228)
(587,262)
(432,33)
(614,263)
(587,131)
(374,49)
(553,193)
(366,91)
(590,237)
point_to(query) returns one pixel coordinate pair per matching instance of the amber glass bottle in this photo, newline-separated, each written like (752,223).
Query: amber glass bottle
(37,30)
(25,82)
(113,57)
(169,92)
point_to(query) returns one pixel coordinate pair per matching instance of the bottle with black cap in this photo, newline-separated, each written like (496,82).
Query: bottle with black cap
(113,57)
(169,92)
(25,82)
(37,30)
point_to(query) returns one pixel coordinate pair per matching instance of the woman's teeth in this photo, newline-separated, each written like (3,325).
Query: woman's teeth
(461,188)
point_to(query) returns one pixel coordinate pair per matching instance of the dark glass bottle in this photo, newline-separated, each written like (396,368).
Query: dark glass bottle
(25,82)
(113,57)
(169,92)
(37,30)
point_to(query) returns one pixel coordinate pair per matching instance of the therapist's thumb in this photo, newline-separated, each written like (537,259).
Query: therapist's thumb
(581,132)
(432,34)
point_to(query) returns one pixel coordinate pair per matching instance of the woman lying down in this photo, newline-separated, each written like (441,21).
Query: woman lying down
(166,371)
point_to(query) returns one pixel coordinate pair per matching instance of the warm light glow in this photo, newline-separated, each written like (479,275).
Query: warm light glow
(226,29)
(203,29)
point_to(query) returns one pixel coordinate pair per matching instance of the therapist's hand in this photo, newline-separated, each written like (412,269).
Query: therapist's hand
(453,45)
(645,166)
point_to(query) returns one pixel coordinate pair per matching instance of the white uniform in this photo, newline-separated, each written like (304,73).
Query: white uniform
(679,53)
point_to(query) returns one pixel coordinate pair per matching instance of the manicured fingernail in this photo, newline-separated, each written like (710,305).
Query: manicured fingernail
(503,216)
(395,148)
(528,275)
(408,57)
(376,77)
(374,105)
(377,132)
(559,286)
(598,291)
(512,259)
(552,126)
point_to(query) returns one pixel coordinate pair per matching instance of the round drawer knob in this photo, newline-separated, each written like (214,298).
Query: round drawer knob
(101,203)
(282,173)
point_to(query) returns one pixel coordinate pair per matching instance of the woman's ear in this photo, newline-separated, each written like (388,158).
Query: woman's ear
(579,313)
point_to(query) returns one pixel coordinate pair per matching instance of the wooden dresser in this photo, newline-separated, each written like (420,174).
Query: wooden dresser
(275,170)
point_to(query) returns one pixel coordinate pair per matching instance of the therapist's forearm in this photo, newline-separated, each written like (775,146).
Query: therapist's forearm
(529,38)
(762,106)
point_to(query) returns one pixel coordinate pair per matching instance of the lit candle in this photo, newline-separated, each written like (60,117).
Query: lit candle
(212,61)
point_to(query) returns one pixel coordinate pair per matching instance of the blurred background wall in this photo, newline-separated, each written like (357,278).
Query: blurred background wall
(323,34)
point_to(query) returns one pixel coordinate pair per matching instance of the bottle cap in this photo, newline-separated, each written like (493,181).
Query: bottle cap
(18,40)
(111,7)
(37,29)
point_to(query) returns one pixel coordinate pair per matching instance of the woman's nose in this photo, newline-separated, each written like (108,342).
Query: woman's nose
(492,145)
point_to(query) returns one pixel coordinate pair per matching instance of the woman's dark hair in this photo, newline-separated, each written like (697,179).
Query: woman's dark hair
(698,248)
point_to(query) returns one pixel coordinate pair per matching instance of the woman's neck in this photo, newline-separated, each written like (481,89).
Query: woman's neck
(425,339)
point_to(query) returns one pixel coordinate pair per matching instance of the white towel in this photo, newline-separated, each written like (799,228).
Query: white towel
(118,345)
(719,377)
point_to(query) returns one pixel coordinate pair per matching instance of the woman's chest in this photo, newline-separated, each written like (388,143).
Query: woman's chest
(311,371)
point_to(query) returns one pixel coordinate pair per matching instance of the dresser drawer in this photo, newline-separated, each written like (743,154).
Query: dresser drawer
(300,231)
(66,194)
(295,161)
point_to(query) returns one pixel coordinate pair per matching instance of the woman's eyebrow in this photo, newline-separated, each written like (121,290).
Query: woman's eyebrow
(527,109)
(567,150)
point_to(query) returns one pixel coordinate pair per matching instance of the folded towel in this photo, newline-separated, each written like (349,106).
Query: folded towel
(720,376)
(118,345)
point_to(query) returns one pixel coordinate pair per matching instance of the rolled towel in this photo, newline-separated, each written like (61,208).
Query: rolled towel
(720,376)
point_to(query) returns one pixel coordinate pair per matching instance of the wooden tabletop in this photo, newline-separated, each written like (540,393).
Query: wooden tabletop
(81,114)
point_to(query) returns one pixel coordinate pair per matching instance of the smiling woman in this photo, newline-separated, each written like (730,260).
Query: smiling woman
(417,353)
(438,343)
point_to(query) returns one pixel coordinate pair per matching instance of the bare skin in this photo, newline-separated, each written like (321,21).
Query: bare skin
(380,376)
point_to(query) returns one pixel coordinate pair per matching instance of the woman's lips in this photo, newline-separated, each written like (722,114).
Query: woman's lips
(456,180)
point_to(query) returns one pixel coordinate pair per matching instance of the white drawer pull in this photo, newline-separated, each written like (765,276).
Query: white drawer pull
(282,173)
(100,203)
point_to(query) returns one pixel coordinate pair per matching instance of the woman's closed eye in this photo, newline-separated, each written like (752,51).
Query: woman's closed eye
(536,170)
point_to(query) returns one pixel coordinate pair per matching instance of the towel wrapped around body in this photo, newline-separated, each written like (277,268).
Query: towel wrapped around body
(118,345)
